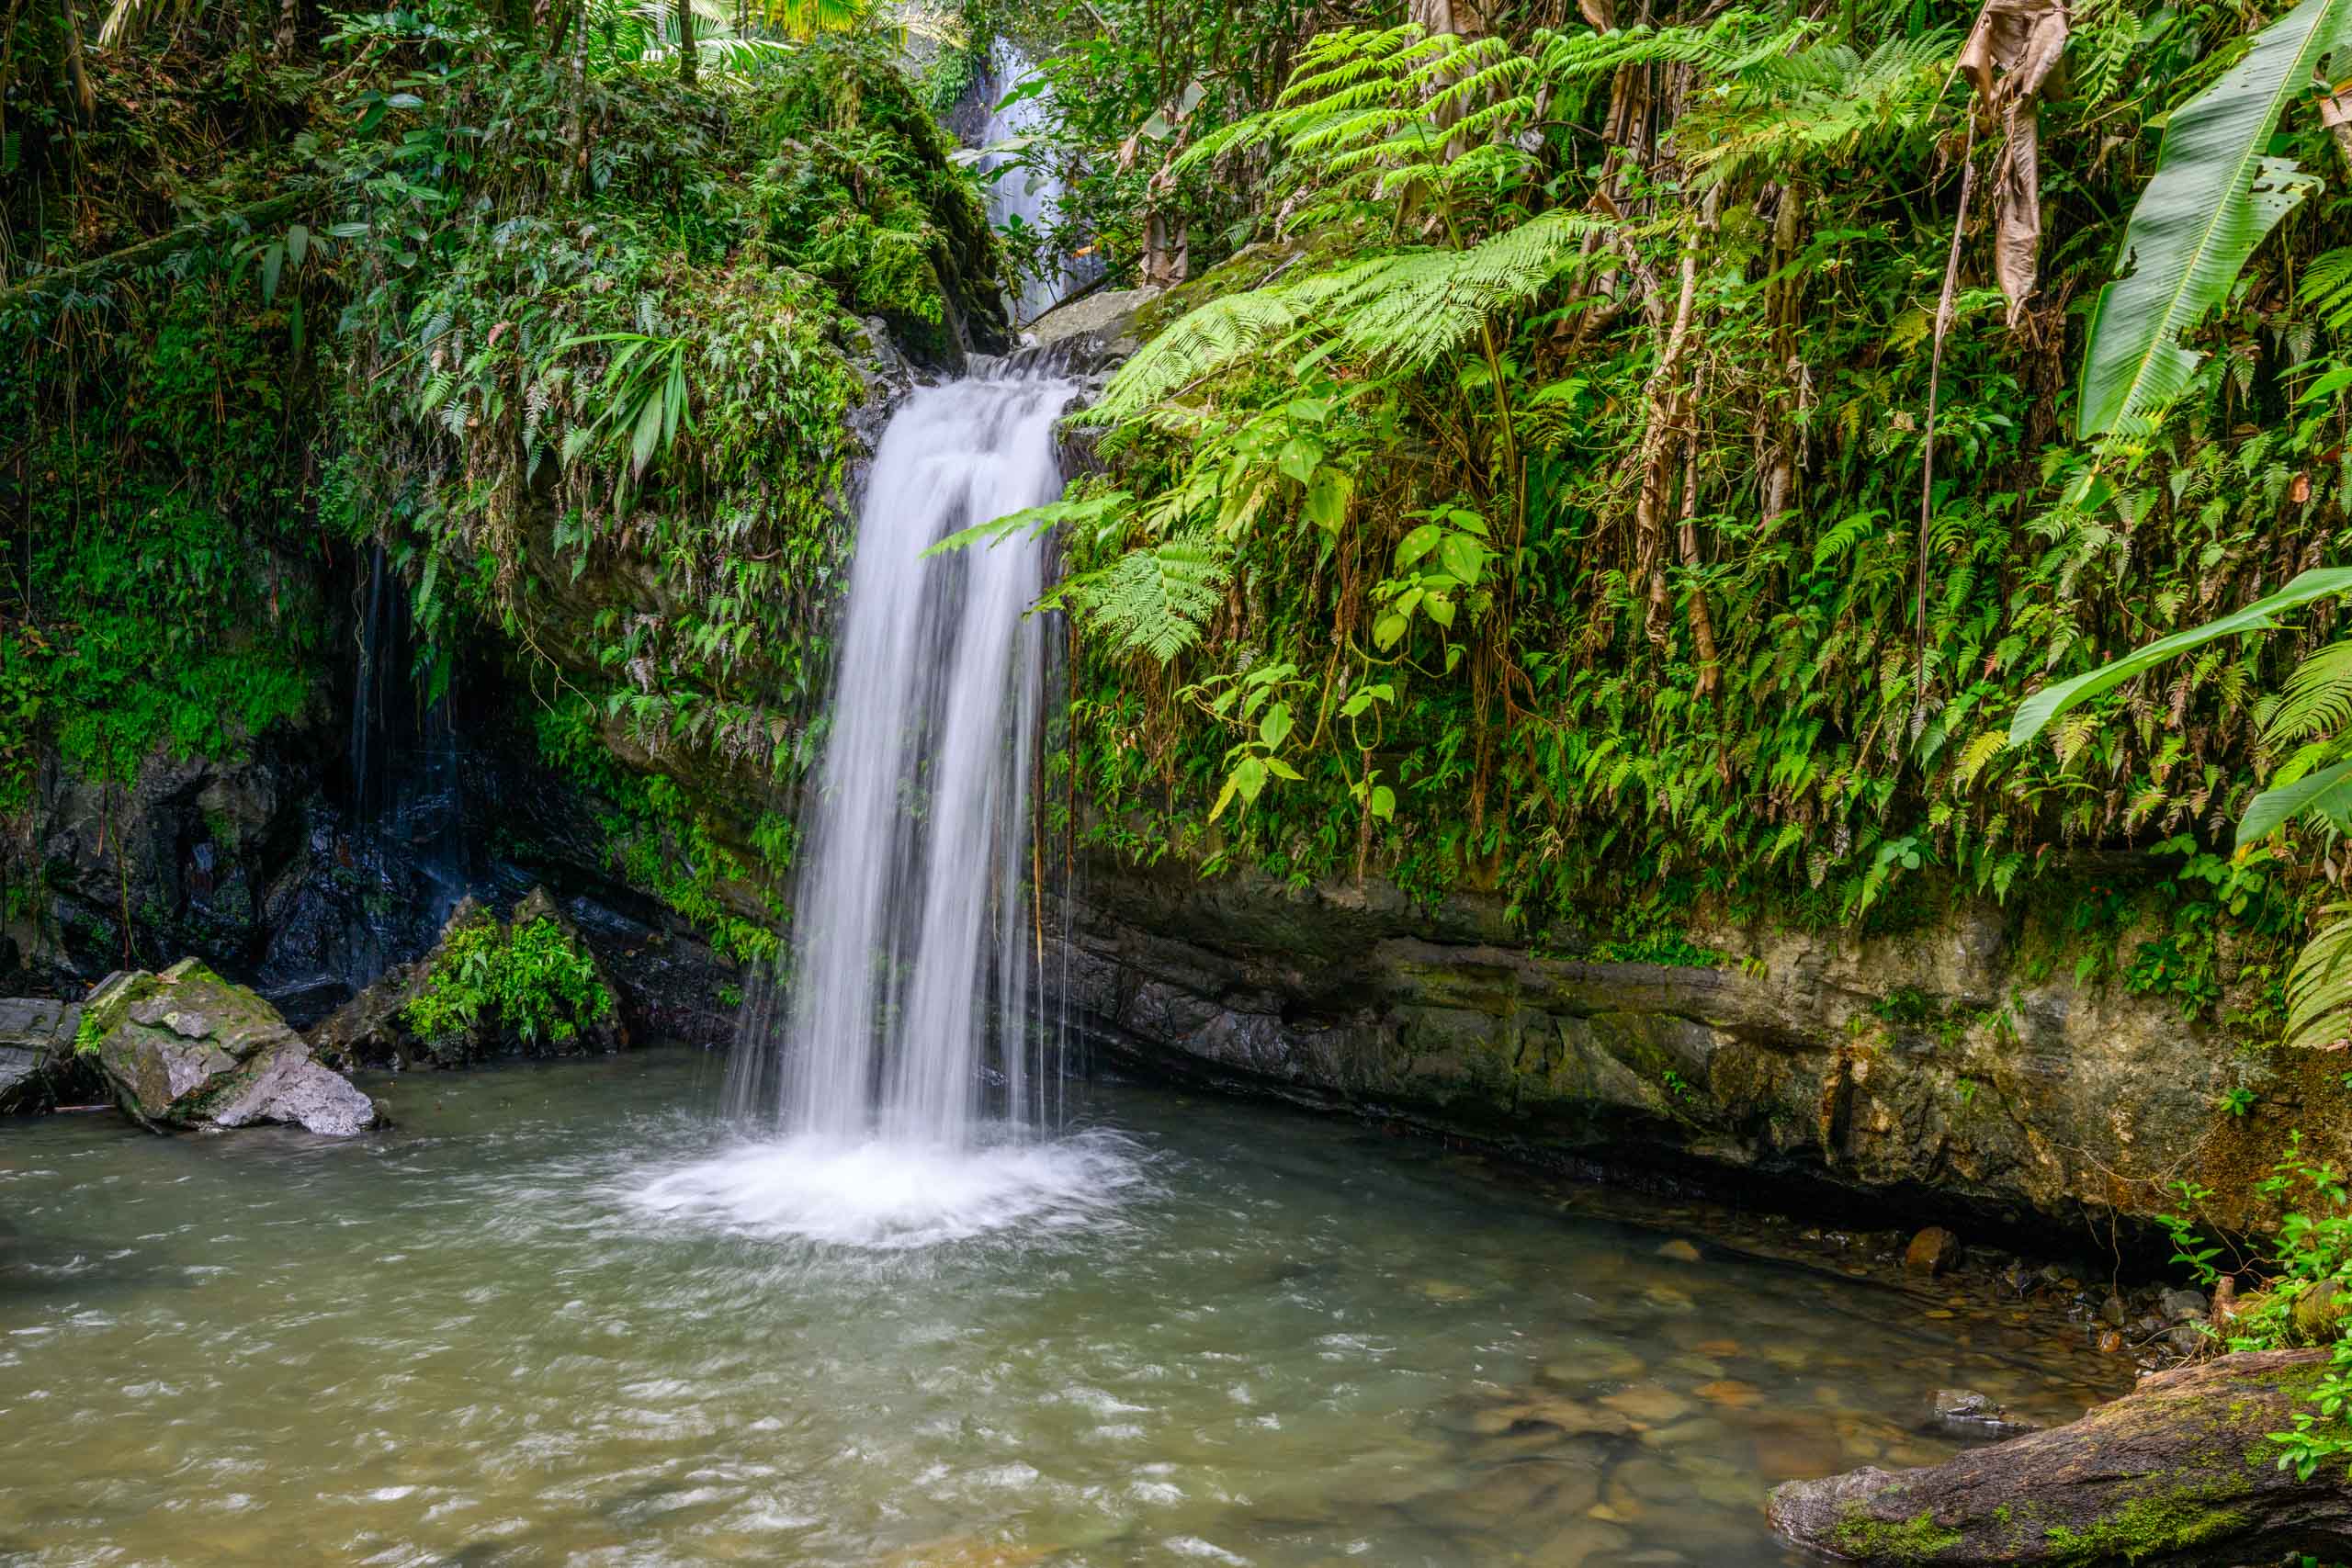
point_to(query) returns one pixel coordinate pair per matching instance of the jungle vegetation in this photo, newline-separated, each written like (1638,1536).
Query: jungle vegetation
(1636,460)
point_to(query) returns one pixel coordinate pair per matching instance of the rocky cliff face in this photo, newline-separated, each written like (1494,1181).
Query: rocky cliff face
(1959,1065)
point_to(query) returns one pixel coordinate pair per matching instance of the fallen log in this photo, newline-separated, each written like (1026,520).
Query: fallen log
(2178,1472)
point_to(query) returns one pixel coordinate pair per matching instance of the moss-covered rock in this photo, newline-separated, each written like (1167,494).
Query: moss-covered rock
(185,1048)
(2179,1472)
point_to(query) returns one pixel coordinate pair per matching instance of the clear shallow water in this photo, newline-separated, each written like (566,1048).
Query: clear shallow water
(558,1318)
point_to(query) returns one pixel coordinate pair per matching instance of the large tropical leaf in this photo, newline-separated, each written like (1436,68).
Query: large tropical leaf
(2326,795)
(2039,709)
(2213,197)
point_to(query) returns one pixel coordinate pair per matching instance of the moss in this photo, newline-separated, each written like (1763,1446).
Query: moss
(1916,1540)
(2157,1526)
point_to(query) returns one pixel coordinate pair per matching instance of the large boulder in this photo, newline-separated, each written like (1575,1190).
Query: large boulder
(38,1068)
(2179,1471)
(185,1048)
(443,1009)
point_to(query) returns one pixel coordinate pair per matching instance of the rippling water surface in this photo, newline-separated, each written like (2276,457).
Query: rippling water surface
(558,1318)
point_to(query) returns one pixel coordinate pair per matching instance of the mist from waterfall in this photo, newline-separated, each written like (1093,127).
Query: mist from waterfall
(912,967)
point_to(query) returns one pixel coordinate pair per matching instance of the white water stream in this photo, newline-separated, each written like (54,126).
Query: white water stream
(1024,198)
(911,997)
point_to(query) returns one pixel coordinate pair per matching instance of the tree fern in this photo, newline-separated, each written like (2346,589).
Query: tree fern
(1402,310)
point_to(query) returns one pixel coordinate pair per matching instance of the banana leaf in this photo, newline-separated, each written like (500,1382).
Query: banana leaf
(2213,197)
(2036,712)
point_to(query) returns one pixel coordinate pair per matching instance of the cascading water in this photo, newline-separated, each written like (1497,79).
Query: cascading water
(1026,199)
(914,965)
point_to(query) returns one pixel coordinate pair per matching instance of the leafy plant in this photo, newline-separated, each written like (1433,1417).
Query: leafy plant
(529,982)
(2304,1297)
(2216,192)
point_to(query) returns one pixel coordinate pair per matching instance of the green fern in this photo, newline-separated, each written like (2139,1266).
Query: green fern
(1154,600)
(1400,311)
(2326,287)
(2317,699)
(2319,989)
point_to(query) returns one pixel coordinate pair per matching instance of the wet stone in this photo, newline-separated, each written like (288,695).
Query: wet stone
(1649,1403)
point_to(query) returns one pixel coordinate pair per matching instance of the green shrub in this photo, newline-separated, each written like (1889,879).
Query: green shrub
(2307,1301)
(532,983)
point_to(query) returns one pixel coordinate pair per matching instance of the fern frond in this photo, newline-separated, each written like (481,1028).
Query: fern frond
(1156,599)
(2318,987)
(2327,287)
(2317,699)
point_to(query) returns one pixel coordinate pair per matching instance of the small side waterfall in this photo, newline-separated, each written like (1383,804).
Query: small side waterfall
(914,931)
(1030,197)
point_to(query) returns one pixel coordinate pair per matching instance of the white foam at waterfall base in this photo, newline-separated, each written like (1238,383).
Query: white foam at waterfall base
(874,1195)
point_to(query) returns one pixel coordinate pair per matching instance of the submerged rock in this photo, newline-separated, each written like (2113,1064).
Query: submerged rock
(185,1048)
(1969,1413)
(2178,1471)
(1931,1252)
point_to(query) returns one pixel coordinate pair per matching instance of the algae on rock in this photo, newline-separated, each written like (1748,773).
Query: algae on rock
(185,1048)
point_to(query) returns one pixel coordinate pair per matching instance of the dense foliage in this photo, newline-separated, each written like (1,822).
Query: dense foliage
(573,338)
(1543,499)
(530,982)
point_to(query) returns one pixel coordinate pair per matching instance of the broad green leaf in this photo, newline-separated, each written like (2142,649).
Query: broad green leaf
(1326,499)
(1387,630)
(1440,608)
(2328,793)
(1300,458)
(1417,543)
(273,261)
(1249,778)
(647,434)
(1463,557)
(2038,710)
(1283,769)
(2214,196)
(1274,729)
(1384,802)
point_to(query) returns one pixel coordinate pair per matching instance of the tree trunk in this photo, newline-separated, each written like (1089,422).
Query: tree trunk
(1664,409)
(84,94)
(2178,1472)
(1467,17)
(687,42)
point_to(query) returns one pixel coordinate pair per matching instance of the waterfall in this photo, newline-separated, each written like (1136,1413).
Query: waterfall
(1030,197)
(914,925)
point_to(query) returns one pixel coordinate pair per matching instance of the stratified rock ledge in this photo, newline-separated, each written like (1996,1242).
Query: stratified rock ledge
(2178,1472)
